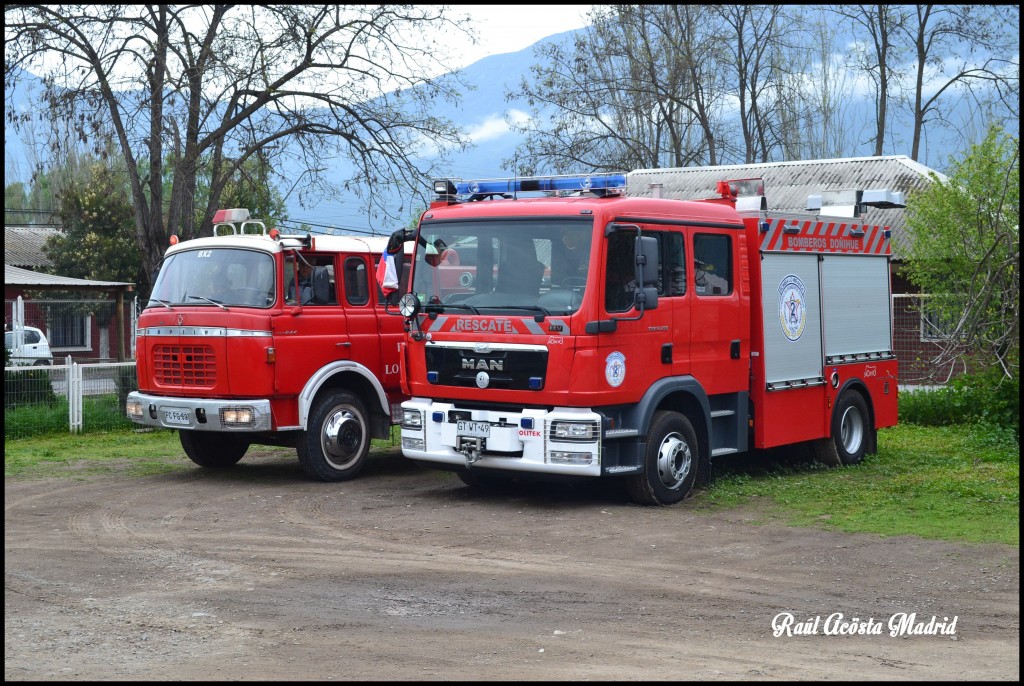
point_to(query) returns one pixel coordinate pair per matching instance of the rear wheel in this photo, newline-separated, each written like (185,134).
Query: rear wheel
(851,428)
(337,442)
(213,450)
(670,462)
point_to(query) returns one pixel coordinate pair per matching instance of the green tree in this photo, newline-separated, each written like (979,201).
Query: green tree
(250,187)
(965,252)
(194,90)
(98,240)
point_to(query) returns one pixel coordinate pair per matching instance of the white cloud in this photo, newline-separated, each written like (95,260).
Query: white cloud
(494,126)
(510,28)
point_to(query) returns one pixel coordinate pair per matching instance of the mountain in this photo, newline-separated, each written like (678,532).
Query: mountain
(480,112)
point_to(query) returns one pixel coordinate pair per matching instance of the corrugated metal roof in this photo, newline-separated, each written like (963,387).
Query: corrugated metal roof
(15,276)
(23,245)
(787,184)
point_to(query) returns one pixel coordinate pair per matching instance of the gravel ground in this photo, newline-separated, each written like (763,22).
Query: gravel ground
(405,574)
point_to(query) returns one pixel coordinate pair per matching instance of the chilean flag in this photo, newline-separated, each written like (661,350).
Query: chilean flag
(387,274)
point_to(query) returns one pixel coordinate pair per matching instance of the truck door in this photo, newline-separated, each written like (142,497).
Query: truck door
(308,336)
(640,351)
(373,333)
(719,326)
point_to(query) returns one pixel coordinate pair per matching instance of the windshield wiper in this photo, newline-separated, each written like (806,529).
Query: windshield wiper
(158,300)
(532,308)
(440,307)
(212,302)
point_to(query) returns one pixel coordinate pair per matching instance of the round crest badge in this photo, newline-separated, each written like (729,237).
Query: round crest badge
(615,369)
(792,306)
(483,379)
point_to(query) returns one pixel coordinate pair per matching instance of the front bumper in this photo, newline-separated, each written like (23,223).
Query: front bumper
(563,441)
(199,414)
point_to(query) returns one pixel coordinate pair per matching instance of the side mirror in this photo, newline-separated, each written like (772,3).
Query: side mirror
(646,260)
(646,298)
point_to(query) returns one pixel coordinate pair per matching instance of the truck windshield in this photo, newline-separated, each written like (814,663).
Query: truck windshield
(217,277)
(537,265)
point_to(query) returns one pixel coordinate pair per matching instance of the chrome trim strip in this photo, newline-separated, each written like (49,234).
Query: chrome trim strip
(203,331)
(487,346)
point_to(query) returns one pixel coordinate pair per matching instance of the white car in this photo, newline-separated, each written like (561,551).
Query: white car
(34,350)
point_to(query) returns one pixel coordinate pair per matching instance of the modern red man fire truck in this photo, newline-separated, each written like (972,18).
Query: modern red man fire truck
(254,337)
(613,333)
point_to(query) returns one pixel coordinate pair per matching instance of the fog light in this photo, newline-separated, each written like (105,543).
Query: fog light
(561,457)
(413,443)
(134,409)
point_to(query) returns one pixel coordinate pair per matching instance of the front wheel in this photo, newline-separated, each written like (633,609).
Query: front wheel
(851,427)
(337,441)
(670,462)
(213,450)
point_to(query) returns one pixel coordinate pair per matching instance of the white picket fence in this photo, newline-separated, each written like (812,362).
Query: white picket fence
(91,391)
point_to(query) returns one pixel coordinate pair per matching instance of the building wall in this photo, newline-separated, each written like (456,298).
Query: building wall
(75,328)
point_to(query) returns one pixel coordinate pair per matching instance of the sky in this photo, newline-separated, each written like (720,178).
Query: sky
(511,28)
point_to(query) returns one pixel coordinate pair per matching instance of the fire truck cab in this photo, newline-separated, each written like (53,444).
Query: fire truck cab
(590,332)
(250,337)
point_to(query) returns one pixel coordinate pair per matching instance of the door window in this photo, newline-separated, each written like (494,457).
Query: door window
(712,264)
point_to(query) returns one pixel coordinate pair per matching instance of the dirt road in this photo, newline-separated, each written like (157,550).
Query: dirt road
(406,574)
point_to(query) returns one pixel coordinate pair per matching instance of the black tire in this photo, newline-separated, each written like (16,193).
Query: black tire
(213,450)
(337,442)
(851,428)
(670,462)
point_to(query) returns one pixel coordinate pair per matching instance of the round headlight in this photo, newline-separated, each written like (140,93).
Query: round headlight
(409,305)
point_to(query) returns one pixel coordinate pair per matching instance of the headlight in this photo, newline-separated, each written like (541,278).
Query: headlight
(573,431)
(237,416)
(412,419)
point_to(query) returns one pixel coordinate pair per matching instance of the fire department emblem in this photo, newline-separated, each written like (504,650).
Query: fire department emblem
(615,369)
(792,306)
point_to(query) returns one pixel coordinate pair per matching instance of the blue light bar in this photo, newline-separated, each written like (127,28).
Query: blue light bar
(542,183)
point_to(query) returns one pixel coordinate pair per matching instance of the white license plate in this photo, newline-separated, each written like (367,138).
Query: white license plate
(177,417)
(474,429)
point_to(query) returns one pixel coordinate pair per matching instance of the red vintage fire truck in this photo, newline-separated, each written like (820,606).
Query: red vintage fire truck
(251,336)
(603,331)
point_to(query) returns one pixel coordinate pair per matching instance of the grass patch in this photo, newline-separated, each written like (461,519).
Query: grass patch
(150,452)
(127,451)
(945,483)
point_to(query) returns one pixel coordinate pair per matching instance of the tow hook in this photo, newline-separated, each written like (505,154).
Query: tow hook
(470,447)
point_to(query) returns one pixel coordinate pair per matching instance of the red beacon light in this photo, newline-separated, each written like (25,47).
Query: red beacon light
(740,188)
(239,214)
(275,234)
(173,239)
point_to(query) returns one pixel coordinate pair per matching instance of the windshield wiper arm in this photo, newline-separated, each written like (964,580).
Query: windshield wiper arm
(440,307)
(212,302)
(532,308)
(158,300)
